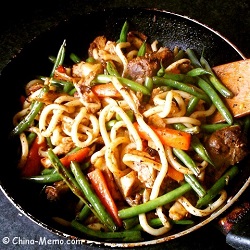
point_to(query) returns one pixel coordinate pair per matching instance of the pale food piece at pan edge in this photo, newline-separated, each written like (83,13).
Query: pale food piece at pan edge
(236,77)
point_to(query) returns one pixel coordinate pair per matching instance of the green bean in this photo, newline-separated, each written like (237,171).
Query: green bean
(110,124)
(74,58)
(129,113)
(49,143)
(180,77)
(187,160)
(221,88)
(194,60)
(217,187)
(45,178)
(31,137)
(130,222)
(124,236)
(124,32)
(192,130)
(131,84)
(92,197)
(194,183)
(90,59)
(83,214)
(112,70)
(182,86)
(200,149)
(60,57)
(67,86)
(161,71)
(156,222)
(198,72)
(210,128)
(29,119)
(142,49)
(70,180)
(181,54)
(153,204)
(196,145)
(192,104)
(48,171)
(217,101)
(52,59)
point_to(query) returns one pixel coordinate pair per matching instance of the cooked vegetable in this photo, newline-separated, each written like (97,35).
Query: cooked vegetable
(169,137)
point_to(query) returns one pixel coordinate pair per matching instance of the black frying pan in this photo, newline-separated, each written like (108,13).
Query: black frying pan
(169,29)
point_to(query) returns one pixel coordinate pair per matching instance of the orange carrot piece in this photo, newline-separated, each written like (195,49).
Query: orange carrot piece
(33,164)
(77,156)
(100,186)
(174,174)
(105,90)
(171,137)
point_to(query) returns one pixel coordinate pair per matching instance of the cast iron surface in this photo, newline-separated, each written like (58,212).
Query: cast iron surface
(188,34)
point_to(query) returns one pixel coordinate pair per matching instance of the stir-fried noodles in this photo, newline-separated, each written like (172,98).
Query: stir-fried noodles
(129,123)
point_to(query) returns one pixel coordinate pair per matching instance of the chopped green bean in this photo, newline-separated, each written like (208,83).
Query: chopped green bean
(217,187)
(181,54)
(112,70)
(210,128)
(182,86)
(194,183)
(200,149)
(180,77)
(218,85)
(192,104)
(194,60)
(156,222)
(29,119)
(83,214)
(92,197)
(60,57)
(124,32)
(187,160)
(124,236)
(217,101)
(74,58)
(131,84)
(70,181)
(45,178)
(142,49)
(153,204)
(66,86)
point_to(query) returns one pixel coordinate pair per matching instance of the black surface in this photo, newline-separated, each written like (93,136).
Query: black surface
(26,21)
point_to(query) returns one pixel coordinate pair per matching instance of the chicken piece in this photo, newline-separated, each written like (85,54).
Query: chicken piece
(129,183)
(84,69)
(177,211)
(98,44)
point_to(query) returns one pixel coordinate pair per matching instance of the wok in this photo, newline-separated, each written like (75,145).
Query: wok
(169,29)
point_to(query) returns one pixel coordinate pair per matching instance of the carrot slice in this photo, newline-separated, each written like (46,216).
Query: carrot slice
(77,156)
(174,174)
(100,186)
(33,164)
(171,137)
(106,90)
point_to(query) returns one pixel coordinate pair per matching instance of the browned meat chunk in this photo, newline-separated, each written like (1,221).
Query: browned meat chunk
(226,147)
(140,67)
(148,65)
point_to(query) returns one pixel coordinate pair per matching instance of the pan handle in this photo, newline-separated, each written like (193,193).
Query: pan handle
(235,224)
(239,236)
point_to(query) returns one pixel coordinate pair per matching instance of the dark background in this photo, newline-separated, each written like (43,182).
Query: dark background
(21,21)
